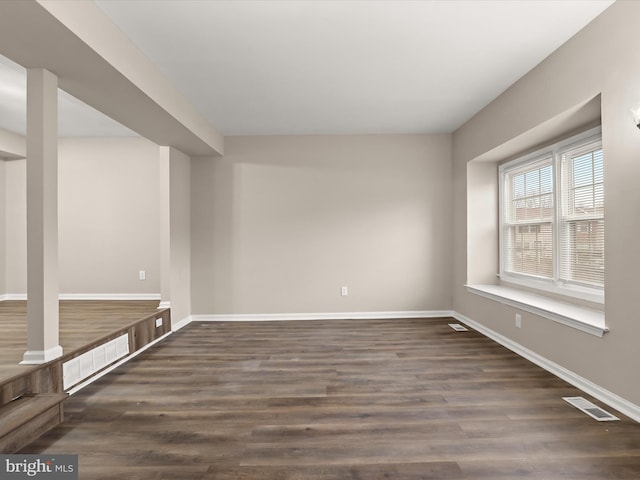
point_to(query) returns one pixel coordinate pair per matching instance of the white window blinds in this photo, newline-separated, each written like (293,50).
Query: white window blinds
(581,224)
(529,232)
(552,215)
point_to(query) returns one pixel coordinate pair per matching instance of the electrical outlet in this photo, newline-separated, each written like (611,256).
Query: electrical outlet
(344,291)
(518,320)
(158,322)
(142,275)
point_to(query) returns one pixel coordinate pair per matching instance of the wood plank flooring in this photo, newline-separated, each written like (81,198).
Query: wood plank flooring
(335,400)
(81,322)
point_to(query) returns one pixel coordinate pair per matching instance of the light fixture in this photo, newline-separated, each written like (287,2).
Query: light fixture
(635,111)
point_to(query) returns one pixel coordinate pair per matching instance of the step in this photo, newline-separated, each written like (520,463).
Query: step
(25,419)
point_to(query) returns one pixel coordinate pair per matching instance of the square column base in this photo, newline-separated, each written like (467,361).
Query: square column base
(36,357)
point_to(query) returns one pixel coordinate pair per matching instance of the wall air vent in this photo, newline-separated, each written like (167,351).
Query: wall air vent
(458,328)
(590,409)
(91,362)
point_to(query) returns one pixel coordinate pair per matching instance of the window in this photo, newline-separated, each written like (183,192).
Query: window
(552,218)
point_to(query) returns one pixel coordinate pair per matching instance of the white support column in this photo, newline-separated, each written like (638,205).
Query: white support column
(42,217)
(165,226)
(175,233)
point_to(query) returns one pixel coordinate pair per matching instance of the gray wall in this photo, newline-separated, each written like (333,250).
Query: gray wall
(16,227)
(3,229)
(279,224)
(108,217)
(599,64)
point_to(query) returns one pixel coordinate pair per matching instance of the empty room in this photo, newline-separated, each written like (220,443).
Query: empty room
(308,239)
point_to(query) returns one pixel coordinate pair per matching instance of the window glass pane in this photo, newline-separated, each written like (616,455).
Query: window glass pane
(582,239)
(583,200)
(532,194)
(586,194)
(599,199)
(533,208)
(518,186)
(517,210)
(598,166)
(530,249)
(546,179)
(532,182)
(584,262)
(582,170)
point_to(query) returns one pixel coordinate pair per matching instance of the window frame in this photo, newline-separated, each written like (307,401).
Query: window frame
(555,152)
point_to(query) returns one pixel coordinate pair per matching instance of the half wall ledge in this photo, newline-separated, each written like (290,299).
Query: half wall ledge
(581,318)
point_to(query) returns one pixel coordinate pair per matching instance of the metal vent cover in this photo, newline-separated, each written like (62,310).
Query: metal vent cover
(458,328)
(590,409)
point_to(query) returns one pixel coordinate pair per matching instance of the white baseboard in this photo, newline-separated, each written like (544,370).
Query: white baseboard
(13,296)
(89,296)
(622,405)
(109,296)
(181,324)
(267,317)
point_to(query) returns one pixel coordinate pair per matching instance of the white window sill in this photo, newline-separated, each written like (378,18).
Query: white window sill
(580,318)
(590,295)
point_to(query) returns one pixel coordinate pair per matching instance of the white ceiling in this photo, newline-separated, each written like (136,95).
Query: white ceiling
(329,67)
(75,118)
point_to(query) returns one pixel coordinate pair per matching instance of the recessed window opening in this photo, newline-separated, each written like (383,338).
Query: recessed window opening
(552,218)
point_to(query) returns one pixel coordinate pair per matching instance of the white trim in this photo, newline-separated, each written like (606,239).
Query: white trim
(37,357)
(268,317)
(181,324)
(89,296)
(109,296)
(611,399)
(164,304)
(13,296)
(581,318)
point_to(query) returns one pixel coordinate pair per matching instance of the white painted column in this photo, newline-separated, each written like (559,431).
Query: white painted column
(165,226)
(42,217)
(175,233)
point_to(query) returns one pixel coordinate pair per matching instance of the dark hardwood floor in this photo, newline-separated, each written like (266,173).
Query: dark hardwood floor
(319,400)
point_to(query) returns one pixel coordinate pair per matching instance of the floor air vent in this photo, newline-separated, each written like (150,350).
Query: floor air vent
(590,409)
(457,327)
